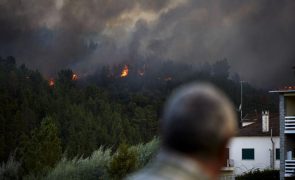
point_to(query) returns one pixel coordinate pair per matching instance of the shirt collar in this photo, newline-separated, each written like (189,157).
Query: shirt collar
(182,161)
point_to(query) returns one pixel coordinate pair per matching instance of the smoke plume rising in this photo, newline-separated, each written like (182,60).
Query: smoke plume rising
(256,36)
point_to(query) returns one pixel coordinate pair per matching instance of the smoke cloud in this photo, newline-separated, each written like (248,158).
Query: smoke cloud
(257,37)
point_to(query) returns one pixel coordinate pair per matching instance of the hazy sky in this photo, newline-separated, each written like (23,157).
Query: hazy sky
(256,36)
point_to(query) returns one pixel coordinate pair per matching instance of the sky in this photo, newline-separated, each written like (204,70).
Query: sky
(256,36)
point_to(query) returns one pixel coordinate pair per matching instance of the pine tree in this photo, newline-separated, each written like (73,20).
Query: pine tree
(43,149)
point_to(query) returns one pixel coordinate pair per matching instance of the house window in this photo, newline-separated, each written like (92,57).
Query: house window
(247,154)
(277,154)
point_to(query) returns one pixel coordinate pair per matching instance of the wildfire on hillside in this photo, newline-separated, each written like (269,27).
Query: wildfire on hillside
(51,82)
(125,71)
(74,77)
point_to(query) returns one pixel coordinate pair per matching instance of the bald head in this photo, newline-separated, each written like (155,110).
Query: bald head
(197,119)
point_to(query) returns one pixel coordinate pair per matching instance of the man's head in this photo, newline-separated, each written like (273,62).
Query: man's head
(198,120)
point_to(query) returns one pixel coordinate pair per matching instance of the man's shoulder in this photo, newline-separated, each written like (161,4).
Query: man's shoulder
(170,166)
(153,171)
(164,175)
(145,176)
(160,171)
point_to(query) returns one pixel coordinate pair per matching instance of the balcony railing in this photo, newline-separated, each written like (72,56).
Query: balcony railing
(289,168)
(289,124)
(229,166)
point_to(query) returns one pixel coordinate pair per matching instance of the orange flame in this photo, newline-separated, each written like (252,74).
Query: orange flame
(74,77)
(125,71)
(51,82)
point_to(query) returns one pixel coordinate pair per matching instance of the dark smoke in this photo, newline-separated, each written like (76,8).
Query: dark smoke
(256,36)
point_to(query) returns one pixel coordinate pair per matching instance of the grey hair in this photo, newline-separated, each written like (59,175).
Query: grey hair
(197,119)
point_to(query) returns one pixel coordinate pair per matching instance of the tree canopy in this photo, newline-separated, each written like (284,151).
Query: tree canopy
(44,118)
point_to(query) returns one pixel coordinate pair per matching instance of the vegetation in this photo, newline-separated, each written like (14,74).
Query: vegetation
(43,120)
(123,162)
(92,167)
(10,169)
(42,150)
(101,164)
(260,174)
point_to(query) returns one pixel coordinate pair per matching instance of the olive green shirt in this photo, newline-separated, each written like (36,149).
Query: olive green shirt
(170,166)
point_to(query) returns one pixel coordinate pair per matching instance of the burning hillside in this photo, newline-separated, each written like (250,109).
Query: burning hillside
(74,77)
(51,82)
(69,77)
(125,71)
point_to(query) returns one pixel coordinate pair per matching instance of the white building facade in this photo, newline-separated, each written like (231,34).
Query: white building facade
(241,150)
(256,146)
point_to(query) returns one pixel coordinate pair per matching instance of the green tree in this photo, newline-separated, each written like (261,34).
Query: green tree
(43,149)
(80,131)
(146,120)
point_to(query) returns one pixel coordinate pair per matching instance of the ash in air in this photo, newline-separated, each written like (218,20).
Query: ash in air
(257,37)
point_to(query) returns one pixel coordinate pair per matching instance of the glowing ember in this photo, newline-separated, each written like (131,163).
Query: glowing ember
(51,82)
(168,78)
(125,71)
(141,72)
(75,77)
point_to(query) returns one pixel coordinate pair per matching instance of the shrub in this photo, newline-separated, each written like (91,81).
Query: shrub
(102,165)
(257,174)
(93,167)
(10,169)
(123,162)
(146,152)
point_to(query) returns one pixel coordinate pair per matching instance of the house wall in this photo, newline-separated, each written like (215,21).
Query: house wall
(262,147)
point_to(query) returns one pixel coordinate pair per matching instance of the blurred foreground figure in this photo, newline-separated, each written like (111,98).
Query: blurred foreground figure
(197,123)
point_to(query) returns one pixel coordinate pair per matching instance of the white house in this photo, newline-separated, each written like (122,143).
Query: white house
(256,144)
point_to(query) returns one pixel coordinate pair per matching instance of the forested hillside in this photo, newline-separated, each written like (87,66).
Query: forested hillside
(43,119)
